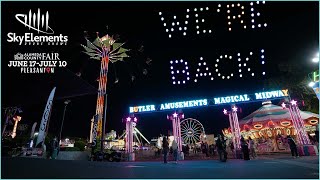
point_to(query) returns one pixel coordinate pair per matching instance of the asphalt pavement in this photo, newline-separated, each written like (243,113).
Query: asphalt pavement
(261,168)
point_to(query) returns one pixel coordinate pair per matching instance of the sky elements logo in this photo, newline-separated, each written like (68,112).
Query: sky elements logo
(36,22)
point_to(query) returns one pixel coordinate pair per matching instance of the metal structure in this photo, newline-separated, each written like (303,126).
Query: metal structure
(234,125)
(106,50)
(64,113)
(298,123)
(16,120)
(10,112)
(136,133)
(191,131)
(175,118)
(130,125)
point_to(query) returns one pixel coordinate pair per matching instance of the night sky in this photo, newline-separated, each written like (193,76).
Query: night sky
(291,37)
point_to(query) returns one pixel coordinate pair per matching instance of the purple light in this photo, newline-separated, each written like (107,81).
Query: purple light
(135,119)
(234,109)
(128,119)
(283,105)
(225,111)
(293,102)
(175,115)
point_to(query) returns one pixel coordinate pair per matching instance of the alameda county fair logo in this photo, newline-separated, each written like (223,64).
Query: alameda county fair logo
(40,23)
(37,62)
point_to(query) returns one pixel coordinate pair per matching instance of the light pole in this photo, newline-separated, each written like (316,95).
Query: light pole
(316,58)
(314,79)
(64,113)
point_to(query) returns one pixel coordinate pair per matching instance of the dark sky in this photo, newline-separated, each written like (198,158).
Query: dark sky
(291,36)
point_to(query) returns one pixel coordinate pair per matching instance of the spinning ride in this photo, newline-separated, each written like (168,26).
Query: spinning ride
(191,131)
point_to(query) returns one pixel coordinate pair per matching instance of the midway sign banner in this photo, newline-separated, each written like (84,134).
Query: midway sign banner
(242,98)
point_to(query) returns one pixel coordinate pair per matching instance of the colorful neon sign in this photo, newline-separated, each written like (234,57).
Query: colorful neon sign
(146,108)
(184,104)
(272,94)
(231,99)
(215,101)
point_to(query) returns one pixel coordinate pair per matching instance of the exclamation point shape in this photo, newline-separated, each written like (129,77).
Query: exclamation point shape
(42,20)
(34,20)
(47,20)
(30,18)
(38,20)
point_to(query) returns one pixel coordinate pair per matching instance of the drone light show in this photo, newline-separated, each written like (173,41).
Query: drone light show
(240,15)
(215,68)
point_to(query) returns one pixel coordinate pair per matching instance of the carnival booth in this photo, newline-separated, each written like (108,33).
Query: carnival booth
(270,125)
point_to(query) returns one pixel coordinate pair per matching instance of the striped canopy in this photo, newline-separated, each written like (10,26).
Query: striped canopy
(273,112)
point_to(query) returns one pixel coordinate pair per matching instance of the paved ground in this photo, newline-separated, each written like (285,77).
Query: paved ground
(263,167)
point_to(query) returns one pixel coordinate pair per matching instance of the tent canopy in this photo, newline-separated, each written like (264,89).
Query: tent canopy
(273,112)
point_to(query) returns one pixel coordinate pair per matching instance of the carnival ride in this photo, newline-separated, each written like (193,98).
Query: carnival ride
(191,131)
(138,136)
(270,124)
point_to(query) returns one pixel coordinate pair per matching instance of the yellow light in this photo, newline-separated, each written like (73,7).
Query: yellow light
(239,16)
(228,17)
(241,21)
(234,17)
(228,6)
(242,7)
(242,12)
(229,23)
(245,27)
(229,29)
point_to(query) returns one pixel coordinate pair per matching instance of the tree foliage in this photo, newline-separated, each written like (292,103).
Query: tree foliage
(296,81)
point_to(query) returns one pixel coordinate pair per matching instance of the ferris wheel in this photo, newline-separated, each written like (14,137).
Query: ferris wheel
(191,131)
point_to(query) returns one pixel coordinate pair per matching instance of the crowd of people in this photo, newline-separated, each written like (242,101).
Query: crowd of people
(248,149)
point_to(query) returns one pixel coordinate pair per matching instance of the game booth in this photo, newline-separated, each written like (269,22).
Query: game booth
(271,124)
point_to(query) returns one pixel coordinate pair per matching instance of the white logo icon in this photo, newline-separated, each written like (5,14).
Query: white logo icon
(36,22)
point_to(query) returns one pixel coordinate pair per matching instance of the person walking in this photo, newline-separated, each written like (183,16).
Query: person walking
(221,146)
(175,150)
(232,149)
(244,148)
(293,147)
(165,148)
(252,148)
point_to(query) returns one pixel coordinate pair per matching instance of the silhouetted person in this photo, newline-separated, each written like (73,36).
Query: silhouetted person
(293,147)
(244,148)
(252,148)
(175,150)
(165,148)
(221,146)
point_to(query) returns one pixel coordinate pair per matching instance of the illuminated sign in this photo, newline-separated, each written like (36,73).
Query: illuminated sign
(272,94)
(184,104)
(261,96)
(231,99)
(146,108)
(315,76)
